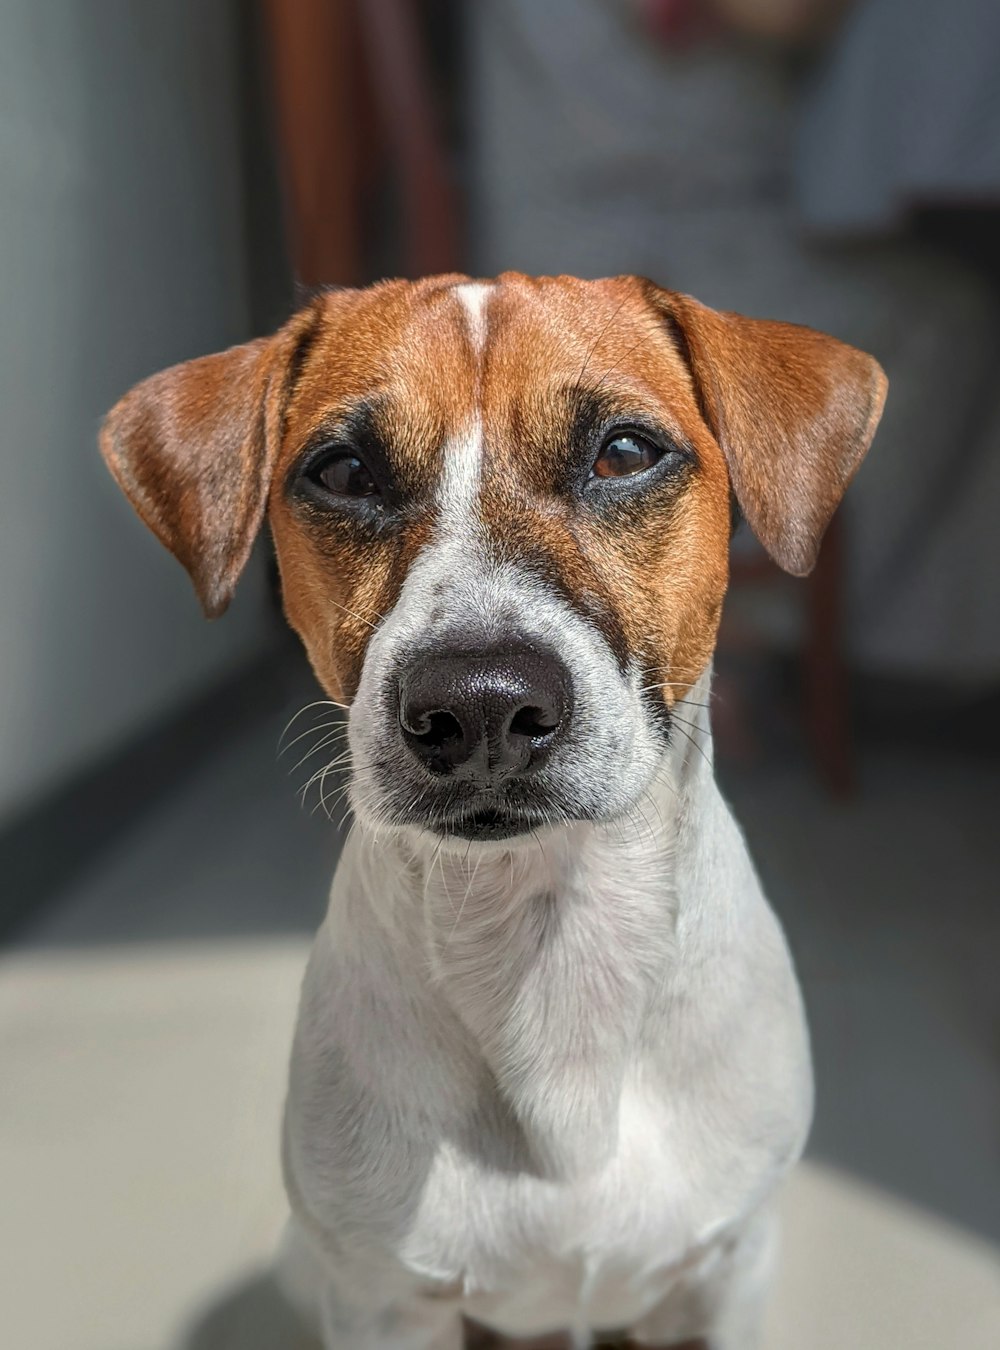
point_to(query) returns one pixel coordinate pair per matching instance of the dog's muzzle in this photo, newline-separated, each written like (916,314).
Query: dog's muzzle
(479,723)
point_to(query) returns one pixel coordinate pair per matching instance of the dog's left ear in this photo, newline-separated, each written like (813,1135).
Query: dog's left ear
(794,412)
(193,448)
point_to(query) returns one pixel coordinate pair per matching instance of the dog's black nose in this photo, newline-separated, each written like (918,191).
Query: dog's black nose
(485,716)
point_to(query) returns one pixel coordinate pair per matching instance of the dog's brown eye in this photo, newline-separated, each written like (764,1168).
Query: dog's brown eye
(345,475)
(625,453)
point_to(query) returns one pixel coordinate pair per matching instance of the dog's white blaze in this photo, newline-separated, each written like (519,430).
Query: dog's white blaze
(459,489)
(463,454)
(473,295)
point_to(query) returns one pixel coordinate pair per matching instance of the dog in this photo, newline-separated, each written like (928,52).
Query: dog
(551,1061)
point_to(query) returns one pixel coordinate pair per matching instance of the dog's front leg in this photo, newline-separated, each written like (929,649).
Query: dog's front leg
(720,1306)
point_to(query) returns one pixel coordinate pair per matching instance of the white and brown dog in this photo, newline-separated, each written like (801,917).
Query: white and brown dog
(551,1061)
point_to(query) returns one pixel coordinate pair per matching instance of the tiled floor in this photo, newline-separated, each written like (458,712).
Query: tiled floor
(144,1024)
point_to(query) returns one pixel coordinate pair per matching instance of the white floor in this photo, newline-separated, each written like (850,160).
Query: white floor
(138,1166)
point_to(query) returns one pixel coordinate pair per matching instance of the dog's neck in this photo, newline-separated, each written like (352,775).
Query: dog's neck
(549,955)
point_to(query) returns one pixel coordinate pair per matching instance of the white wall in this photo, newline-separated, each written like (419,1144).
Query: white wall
(121,251)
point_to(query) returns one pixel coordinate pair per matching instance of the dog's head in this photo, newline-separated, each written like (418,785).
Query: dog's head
(502,514)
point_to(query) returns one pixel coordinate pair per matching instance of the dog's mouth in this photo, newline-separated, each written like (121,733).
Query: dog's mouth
(490,824)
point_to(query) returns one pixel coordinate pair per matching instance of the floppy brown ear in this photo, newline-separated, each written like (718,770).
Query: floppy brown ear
(794,412)
(193,448)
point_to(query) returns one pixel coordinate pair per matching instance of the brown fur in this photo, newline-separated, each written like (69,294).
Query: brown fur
(794,411)
(781,415)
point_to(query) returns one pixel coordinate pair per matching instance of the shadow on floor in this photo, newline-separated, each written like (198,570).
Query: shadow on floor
(253,1315)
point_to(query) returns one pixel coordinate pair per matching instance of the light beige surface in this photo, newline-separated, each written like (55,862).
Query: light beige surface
(141,1095)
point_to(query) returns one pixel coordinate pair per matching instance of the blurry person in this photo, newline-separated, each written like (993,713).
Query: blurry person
(659,136)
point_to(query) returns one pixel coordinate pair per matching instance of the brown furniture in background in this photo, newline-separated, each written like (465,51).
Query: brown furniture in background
(353,97)
(824,685)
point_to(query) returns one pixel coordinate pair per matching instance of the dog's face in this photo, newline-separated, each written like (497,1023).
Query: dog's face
(501,514)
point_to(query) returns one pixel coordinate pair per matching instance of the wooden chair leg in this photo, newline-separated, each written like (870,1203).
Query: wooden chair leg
(403,88)
(825,681)
(315,52)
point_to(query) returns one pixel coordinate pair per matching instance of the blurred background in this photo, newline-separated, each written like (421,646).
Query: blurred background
(170,172)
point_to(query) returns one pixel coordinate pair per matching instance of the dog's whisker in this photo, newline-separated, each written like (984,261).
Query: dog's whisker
(337,724)
(680,684)
(430,869)
(313,778)
(329,803)
(325,742)
(322,744)
(379,618)
(674,684)
(644,830)
(468,892)
(621,361)
(316,703)
(337,795)
(691,703)
(320,779)
(656,807)
(594,345)
(317,777)
(681,723)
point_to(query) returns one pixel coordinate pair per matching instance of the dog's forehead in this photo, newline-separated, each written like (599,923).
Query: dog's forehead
(441,353)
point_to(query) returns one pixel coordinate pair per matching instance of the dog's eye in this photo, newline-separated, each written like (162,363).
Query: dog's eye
(344,474)
(625,453)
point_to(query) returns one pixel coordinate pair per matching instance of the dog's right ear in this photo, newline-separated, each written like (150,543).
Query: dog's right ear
(193,448)
(794,412)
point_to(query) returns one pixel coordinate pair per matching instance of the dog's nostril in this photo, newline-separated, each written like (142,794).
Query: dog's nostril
(435,728)
(533,722)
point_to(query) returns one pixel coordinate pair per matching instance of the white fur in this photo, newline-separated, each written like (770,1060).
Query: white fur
(458,493)
(473,296)
(548,1085)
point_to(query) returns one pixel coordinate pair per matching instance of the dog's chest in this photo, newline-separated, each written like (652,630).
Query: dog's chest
(601,1250)
(547,1122)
